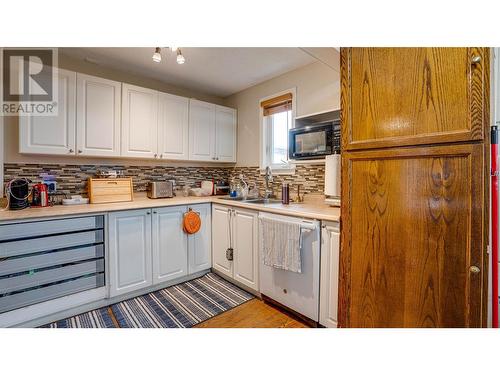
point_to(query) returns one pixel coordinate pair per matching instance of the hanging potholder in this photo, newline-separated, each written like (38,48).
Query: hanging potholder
(192,222)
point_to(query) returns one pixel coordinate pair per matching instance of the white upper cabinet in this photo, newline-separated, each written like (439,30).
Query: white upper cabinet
(98,116)
(225,124)
(54,135)
(139,122)
(173,127)
(201,130)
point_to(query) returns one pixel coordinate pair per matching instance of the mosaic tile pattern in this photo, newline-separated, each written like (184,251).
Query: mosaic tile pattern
(72,179)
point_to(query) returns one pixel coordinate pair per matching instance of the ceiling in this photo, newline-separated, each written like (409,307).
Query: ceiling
(216,71)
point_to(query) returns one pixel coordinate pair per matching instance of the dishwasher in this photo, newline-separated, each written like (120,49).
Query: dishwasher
(296,291)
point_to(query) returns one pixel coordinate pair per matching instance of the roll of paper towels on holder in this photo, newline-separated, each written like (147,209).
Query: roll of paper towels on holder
(332,175)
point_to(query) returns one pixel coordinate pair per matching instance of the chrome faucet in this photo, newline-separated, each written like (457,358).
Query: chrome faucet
(269,178)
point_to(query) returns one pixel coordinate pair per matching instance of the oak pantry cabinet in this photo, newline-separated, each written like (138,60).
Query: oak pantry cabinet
(414,192)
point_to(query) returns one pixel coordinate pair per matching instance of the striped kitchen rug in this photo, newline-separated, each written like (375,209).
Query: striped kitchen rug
(178,306)
(99,318)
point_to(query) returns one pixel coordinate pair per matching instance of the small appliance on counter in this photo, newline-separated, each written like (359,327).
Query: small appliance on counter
(221,188)
(332,180)
(18,191)
(40,195)
(161,189)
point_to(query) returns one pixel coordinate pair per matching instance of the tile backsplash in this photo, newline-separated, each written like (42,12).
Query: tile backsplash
(72,179)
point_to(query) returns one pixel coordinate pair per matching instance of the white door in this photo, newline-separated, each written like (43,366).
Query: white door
(139,122)
(98,112)
(225,123)
(170,247)
(221,233)
(330,245)
(200,243)
(173,127)
(246,249)
(201,130)
(129,243)
(53,135)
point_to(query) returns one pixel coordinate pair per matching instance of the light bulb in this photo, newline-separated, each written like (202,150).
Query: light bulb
(174,49)
(180,58)
(157,55)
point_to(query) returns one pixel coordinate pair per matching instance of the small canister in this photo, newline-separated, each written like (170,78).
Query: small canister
(285,194)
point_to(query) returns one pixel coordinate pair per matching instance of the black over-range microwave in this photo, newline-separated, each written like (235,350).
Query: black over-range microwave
(314,141)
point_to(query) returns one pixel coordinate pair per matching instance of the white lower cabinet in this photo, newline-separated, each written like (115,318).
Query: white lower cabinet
(148,247)
(129,243)
(236,229)
(170,245)
(330,248)
(200,243)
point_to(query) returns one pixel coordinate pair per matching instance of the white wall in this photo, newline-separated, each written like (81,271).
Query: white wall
(318,90)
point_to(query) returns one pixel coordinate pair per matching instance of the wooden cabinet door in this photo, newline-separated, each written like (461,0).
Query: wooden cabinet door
(328,295)
(414,237)
(225,124)
(201,130)
(173,125)
(98,116)
(200,243)
(170,245)
(139,122)
(53,135)
(129,244)
(412,96)
(221,239)
(246,248)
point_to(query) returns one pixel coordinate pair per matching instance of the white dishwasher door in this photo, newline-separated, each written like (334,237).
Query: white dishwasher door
(297,291)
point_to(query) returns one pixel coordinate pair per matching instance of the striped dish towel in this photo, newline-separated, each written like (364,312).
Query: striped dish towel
(280,244)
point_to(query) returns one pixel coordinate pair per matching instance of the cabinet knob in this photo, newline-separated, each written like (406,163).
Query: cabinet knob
(156,155)
(476,59)
(148,213)
(155,212)
(71,151)
(474,269)
(80,151)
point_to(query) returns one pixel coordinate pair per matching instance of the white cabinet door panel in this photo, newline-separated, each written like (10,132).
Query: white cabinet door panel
(129,242)
(246,256)
(54,135)
(225,120)
(139,122)
(201,130)
(200,243)
(220,239)
(330,245)
(173,127)
(98,116)
(170,248)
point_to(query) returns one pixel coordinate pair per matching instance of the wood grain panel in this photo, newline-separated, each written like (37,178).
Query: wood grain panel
(412,225)
(413,96)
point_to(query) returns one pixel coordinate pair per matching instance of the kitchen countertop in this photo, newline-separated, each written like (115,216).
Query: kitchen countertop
(311,210)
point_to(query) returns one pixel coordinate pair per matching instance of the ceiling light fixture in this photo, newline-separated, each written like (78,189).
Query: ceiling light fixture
(157,55)
(174,49)
(180,58)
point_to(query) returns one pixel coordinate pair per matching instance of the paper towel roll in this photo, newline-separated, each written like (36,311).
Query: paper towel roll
(332,175)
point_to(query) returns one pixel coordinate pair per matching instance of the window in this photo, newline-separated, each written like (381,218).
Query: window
(277,115)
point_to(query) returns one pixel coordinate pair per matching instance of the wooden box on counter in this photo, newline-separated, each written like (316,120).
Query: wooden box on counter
(109,190)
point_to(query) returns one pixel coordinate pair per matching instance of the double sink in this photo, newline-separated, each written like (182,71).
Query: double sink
(252,200)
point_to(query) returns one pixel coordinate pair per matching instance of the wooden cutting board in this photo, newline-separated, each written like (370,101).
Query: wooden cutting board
(109,190)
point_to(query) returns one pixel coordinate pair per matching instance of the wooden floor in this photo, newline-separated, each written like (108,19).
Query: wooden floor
(253,314)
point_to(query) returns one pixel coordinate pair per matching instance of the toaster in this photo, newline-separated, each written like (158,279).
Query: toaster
(161,189)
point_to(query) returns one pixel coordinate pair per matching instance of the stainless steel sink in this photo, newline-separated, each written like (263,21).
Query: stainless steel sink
(251,200)
(262,201)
